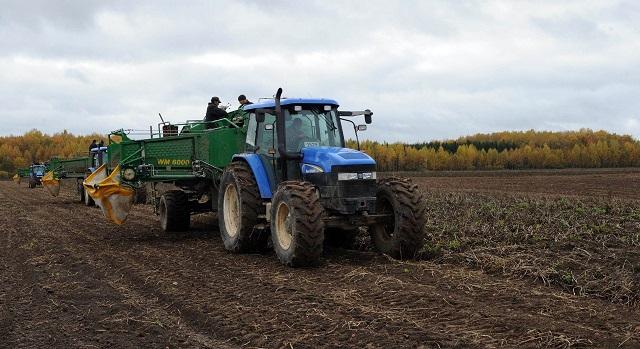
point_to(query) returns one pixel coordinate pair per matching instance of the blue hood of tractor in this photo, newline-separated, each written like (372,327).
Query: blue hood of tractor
(327,157)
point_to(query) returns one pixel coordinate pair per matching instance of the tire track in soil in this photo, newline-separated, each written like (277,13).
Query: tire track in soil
(360,290)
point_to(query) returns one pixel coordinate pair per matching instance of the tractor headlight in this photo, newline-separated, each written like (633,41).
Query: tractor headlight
(308,168)
(129,174)
(347,176)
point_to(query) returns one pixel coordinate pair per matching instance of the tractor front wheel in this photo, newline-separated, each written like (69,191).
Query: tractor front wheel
(239,205)
(297,229)
(401,236)
(174,211)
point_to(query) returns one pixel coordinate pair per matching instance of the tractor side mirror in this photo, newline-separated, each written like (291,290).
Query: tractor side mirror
(259,117)
(367,116)
(362,127)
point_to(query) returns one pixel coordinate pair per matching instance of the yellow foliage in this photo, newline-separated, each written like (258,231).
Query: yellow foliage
(34,146)
(509,150)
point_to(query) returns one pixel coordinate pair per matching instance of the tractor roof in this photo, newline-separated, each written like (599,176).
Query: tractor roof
(290,101)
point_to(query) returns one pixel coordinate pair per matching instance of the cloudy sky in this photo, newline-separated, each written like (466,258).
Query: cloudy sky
(428,69)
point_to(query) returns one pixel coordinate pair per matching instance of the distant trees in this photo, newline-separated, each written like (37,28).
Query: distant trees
(34,146)
(502,150)
(509,150)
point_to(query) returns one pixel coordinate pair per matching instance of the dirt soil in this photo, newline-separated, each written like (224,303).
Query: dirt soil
(70,279)
(605,183)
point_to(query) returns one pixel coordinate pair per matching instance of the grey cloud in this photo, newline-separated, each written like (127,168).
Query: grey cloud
(429,70)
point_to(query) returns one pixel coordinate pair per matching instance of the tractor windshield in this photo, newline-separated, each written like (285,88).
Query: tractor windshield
(38,170)
(312,128)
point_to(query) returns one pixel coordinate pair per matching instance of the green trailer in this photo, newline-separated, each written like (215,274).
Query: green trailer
(278,169)
(21,173)
(78,168)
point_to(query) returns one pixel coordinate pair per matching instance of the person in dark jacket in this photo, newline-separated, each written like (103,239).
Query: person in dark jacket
(243,101)
(92,146)
(213,112)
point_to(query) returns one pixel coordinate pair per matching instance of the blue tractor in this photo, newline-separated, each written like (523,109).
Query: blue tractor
(36,172)
(298,183)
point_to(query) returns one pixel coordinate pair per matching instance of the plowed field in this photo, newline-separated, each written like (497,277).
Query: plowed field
(503,266)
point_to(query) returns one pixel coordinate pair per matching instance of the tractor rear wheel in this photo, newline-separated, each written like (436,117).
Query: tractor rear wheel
(239,205)
(402,235)
(297,229)
(174,211)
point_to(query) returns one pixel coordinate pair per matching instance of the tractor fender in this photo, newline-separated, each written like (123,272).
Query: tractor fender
(259,172)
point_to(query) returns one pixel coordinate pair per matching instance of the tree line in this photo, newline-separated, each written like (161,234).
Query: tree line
(502,150)
(35,146)
(509,150)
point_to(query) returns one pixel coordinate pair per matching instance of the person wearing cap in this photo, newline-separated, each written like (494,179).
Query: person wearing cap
(243,101)
(213,112)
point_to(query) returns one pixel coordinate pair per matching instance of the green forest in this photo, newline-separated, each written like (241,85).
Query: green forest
(502,150)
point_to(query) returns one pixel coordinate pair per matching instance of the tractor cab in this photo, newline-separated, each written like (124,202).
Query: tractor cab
(303,139)
(36,172)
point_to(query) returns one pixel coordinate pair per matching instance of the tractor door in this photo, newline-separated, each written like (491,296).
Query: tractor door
(262,139)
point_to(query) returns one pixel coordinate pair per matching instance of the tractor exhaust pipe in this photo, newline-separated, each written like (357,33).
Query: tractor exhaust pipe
(282,141)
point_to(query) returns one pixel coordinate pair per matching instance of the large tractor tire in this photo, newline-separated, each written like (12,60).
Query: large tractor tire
(402,236)
(297,229)
(239,205)
(174,211)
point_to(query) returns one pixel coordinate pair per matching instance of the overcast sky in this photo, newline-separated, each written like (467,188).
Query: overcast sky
(427,69)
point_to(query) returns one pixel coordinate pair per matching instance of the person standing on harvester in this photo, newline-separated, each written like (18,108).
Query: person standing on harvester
(243,101)
(213,112)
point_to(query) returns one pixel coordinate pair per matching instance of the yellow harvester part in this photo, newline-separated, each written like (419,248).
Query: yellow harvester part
(16,178)
(52,184)
(114,199)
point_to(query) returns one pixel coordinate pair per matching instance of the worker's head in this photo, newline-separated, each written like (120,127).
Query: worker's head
(93,141)
(215,100)
(242,99)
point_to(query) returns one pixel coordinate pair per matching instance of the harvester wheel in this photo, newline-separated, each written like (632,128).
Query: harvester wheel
(80,189)
(174,211)
(239,205)
(297,229)
(141,196)
(402,236)
(88,200)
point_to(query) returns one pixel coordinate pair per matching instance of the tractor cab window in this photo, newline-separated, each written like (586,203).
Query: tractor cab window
(266,137)
(252,126)
(312,128)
